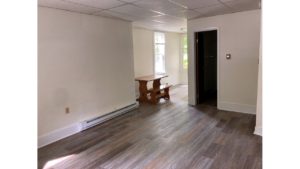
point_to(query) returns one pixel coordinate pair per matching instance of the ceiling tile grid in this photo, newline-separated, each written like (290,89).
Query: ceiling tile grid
(117,15)
(193,4)
(59,4)
(167,15)
(242,5)
(129,1)
(163,6)
(213,10)
(102,4)
(134,11)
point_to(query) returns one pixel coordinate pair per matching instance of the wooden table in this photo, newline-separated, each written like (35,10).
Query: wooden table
(156,92)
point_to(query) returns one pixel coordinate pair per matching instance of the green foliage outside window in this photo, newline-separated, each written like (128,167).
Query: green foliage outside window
(185,52)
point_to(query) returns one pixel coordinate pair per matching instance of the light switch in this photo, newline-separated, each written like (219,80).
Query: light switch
(228,56)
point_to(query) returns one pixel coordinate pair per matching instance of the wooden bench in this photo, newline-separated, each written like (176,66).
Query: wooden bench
(157,92)
(161,92)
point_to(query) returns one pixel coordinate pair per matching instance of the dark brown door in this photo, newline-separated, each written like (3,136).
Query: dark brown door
(206,65)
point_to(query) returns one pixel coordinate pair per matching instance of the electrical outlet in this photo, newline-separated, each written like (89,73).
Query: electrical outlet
(67,110)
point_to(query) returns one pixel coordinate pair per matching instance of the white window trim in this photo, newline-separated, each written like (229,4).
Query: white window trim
(154,71)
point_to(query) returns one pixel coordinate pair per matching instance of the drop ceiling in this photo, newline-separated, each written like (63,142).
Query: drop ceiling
(163,15)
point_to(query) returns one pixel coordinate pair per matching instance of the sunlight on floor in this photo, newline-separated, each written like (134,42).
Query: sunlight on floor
(53,162)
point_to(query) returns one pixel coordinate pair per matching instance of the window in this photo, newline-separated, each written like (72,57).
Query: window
(184,52)
(159,53)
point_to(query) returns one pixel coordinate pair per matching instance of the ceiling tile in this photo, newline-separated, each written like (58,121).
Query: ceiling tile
(214,10)
(112,14)
(192,14)
(193,4)
(129,1)
(58,4)
(103,4)
(160,27)
(187,13)
(242,5)
(168,19)
(163,6)
(109,14)
(164,23)
(165,15)
(132,10)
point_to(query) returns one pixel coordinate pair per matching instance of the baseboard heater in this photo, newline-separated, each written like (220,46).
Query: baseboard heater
(97,120)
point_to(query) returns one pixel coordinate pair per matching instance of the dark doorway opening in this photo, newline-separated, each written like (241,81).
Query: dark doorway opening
(206,44)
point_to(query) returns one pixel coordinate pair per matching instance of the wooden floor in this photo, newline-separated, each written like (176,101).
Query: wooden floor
(170,135)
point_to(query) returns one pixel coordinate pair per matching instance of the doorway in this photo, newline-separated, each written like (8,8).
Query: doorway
(206,44)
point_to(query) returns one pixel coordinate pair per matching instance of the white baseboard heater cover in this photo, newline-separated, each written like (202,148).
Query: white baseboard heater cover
(97,120)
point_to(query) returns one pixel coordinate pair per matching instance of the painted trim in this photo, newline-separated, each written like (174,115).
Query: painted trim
(67,131)
(258,130)
(237,107)
(58,134)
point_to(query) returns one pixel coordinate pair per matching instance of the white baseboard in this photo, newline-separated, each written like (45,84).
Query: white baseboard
(58,134)
(258,130)
(61,133)
(242,108)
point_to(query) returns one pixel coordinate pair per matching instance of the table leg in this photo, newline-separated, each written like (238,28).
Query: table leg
(156,91)
(156,84)
(167,96)
(143,91)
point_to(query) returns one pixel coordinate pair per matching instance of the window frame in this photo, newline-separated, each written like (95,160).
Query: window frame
(182,48)
(154,53)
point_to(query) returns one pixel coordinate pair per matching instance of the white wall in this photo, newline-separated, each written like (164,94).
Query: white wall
(84,63)
(258,125)
(238,35)
(143,52)
(143,46)
(172,57)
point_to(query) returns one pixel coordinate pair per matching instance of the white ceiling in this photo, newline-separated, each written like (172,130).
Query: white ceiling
(164,15)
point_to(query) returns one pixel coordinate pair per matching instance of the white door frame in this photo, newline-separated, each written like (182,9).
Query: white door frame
(192,53)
